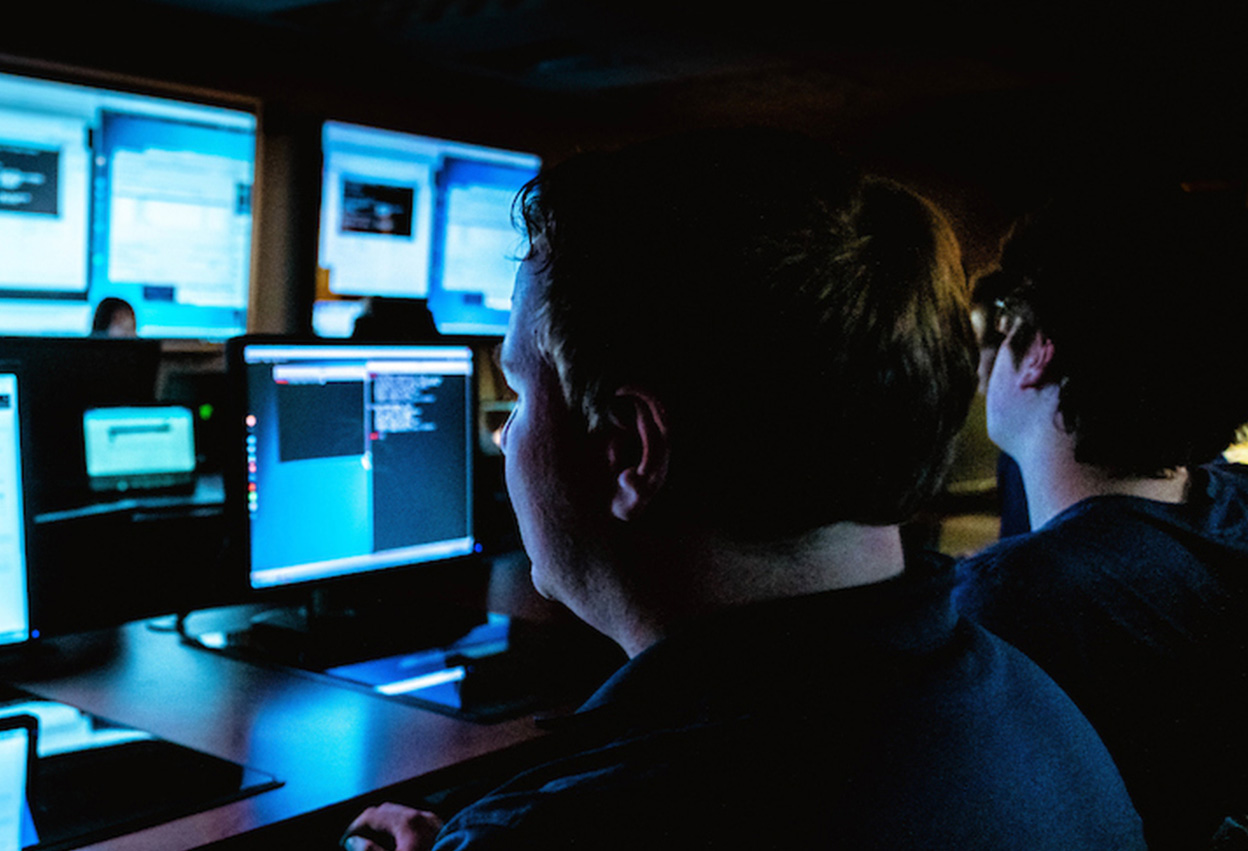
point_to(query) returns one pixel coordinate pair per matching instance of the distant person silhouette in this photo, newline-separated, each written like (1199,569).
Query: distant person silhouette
(395,319)
(114,317)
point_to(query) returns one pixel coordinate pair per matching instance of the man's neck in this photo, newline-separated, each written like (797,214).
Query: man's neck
(1054,481)
(700,574)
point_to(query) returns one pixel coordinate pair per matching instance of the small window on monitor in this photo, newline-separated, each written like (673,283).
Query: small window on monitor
(407,216)
(109,195)
(358,458)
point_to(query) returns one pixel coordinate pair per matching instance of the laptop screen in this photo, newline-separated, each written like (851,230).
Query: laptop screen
(14,606)
(139,447)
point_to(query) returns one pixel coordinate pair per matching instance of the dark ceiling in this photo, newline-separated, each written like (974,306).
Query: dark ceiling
(593,45)
(1008,96)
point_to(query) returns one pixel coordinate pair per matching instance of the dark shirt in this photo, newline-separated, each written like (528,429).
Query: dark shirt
(1137,609)
(865,718)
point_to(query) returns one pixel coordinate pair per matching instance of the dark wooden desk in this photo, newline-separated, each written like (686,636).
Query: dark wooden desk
(334,748)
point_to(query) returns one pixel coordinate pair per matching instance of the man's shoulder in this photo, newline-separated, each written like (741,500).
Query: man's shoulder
(867,766)
(913,795)
(1019,562)
(1117,536)
(652,788)
(1106,529)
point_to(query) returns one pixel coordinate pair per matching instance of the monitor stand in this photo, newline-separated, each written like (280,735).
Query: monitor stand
(453,659)
(328,628)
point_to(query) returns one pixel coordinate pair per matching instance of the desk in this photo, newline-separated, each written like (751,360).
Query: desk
(335,748)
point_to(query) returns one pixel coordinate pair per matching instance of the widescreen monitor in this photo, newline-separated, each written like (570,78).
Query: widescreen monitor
(357,458)
(97,555)
(408,216)
(106,194)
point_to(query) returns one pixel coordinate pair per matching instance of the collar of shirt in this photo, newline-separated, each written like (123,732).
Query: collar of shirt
(777,654)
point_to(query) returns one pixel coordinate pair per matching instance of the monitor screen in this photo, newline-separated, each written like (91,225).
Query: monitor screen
(14,602)
(409,216)
(139,447)
(357,458)
(111,195)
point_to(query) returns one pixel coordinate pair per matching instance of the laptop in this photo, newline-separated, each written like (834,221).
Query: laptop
(139,448)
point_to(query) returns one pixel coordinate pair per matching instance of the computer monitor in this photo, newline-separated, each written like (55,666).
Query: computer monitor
(408,216)
(139,448)
(18,748)
(350,484)
(15,615)
(107,194)
(348,463)
(100,557)
(65,377)
(358,458)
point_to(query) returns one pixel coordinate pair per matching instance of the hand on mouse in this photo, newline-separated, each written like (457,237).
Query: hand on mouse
(392,827)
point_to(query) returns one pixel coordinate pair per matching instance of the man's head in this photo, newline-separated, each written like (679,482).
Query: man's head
(1140,293)
(114,317)
(799,332)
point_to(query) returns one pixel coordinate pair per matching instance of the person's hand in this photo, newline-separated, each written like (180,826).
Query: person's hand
(391,827)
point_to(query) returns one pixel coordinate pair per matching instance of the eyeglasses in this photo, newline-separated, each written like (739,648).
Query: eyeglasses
(1002,319)
(1006,315)
(993,323)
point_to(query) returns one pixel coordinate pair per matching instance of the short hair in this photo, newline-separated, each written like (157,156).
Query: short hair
(1142,289)
(805,326)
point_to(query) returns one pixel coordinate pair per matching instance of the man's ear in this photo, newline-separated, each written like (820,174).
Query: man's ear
(1034,371)
(638,450)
